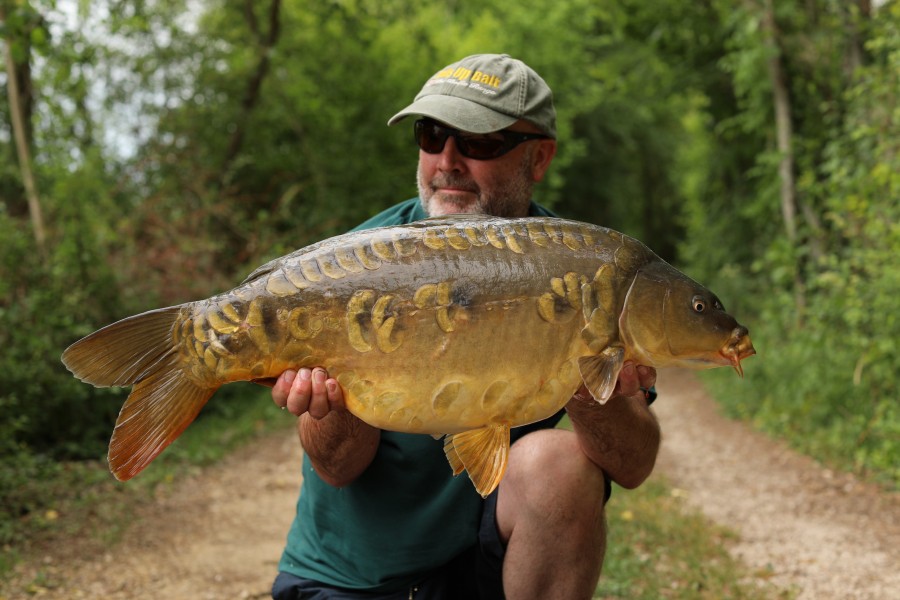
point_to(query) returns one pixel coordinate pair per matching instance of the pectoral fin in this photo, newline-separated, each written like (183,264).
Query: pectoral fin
(484,453)
(600,372)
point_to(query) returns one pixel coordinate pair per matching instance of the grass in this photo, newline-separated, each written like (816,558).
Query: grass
(657,547)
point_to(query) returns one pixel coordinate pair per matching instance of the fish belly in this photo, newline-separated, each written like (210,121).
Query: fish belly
(499,365)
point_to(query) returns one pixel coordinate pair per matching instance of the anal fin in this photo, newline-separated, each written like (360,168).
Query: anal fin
(483,453)
(600,372)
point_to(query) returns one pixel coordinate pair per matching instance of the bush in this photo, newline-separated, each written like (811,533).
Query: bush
(826,376)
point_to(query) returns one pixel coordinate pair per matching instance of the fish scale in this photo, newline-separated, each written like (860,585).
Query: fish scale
(461,326)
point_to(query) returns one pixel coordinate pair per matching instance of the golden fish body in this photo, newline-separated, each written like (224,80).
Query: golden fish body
(435,330)
(464,326)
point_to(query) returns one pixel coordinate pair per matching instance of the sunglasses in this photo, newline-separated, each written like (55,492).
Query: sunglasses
(431,137)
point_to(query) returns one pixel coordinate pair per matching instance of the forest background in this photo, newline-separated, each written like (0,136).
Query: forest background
(155,152)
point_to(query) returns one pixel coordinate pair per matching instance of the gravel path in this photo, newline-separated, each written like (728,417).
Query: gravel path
(216,536)
(219,534)
(824,534)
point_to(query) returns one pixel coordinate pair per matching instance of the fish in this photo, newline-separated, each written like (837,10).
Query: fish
(459,327)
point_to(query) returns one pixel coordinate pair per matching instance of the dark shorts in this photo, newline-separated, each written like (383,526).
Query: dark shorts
(477,573)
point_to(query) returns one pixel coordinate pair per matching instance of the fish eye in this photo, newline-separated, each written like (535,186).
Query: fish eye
(698,304)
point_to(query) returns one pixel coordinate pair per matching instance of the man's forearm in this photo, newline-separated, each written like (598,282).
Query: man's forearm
(340,446)
(621,437)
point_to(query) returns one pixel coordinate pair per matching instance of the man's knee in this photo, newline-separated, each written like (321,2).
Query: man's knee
(553,456)
(550,478)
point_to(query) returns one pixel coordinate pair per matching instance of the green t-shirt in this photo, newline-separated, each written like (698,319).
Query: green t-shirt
(404,516)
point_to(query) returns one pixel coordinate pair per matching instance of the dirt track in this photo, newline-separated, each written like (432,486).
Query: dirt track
(824,534)
(219,535)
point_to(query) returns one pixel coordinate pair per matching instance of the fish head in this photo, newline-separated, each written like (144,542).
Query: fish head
(669,319)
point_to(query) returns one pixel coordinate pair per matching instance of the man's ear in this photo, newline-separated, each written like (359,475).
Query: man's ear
(542,158)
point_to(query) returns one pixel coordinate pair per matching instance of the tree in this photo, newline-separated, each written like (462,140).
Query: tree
(20,111)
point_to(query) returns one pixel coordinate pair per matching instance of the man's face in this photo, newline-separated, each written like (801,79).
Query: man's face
(451,183)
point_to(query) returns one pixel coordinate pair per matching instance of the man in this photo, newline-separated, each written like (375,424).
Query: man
(380,515)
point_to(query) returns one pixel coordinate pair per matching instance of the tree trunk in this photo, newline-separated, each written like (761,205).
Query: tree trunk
(853,18)
(265,43)
(783,127)
(784,135)
(20,132)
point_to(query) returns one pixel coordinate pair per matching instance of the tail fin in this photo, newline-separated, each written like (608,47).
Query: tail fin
(139,351)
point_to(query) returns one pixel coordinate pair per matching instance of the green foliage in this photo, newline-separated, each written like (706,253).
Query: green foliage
(44,413)
(41,406)
(826,377)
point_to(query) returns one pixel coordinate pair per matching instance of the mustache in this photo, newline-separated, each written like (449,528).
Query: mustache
(455,181)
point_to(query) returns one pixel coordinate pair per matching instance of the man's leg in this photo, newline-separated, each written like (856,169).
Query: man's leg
(550,515)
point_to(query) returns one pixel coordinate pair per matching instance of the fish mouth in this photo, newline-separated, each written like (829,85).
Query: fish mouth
(737,348)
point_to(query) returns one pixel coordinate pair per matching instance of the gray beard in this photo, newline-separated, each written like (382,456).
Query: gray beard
(511,201)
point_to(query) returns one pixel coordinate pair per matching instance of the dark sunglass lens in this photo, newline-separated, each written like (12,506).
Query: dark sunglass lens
(482,147)
(430,137)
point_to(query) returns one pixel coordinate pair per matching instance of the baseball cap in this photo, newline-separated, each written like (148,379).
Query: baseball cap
(484,93)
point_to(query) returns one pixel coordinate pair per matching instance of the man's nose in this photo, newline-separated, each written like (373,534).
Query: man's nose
(450,158)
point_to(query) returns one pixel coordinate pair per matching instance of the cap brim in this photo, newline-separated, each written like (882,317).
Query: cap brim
(456,112)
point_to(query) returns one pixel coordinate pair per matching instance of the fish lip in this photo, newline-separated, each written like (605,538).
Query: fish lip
(737,348)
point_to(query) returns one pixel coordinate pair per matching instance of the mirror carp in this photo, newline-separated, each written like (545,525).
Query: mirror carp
(461,327)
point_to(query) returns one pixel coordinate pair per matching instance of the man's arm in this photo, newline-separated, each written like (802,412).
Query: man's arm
(339,445)
(622,436)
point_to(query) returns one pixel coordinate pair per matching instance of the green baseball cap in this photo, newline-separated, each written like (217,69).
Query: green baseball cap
(484,93)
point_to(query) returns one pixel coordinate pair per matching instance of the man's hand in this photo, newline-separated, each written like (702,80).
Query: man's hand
(622,436)
(339,445)
(308,391)
(634,379)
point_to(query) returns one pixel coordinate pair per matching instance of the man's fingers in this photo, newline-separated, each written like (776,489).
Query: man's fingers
(646,376)
(628,380)
(634,379)
(298,398)
(318,398)
(335,395)
(308,391)
(282,388)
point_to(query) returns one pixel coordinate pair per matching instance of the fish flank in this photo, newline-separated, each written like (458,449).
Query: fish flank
(457,239)
(475,237)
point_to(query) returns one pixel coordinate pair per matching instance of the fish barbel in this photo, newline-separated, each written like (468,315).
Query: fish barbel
(460,326)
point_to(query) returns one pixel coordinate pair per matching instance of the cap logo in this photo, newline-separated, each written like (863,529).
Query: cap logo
(476,80)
